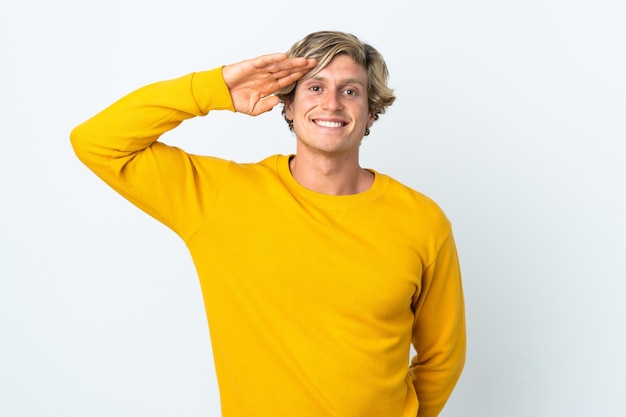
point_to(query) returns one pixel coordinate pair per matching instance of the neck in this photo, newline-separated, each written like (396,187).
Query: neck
(330,175)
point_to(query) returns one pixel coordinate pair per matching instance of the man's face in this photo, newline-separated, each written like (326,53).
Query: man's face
(330,111)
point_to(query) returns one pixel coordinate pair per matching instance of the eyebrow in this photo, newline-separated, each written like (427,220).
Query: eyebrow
(346,81)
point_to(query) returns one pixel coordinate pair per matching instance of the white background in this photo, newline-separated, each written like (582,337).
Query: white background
(510,114)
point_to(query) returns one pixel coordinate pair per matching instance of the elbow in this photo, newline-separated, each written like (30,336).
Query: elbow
(79,142)
(76,140)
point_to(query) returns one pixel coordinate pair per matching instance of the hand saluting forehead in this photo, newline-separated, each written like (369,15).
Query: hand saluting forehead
(252,82)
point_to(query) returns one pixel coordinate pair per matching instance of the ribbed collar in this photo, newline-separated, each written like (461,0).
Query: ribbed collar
(281,166)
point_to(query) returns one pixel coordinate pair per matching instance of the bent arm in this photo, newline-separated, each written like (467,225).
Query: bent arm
(439,332)
(120,145)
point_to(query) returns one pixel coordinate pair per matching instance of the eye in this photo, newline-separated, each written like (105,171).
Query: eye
(350,92)
(315,88)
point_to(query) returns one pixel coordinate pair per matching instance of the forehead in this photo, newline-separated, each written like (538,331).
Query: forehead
(341,68)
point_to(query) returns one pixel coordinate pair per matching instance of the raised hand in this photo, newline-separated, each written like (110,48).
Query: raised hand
(252,82)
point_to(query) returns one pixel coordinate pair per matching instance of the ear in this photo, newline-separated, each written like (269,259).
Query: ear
(371,119)
(288,103)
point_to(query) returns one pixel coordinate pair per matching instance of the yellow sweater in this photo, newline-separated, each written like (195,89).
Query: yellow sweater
(312,300)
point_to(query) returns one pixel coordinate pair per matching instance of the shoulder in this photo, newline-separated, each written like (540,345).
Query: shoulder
(253,175)
(417,206)
(238,168)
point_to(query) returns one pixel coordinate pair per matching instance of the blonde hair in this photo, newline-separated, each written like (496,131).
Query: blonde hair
(324,46)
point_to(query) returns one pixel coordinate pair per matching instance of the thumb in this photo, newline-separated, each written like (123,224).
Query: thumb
(266,104)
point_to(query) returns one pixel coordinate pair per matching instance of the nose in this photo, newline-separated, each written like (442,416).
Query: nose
(331,101)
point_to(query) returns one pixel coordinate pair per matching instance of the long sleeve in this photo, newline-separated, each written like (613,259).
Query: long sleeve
(439,332)
(120,145)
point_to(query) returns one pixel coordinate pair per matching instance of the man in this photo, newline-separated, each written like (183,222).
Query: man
(316,274)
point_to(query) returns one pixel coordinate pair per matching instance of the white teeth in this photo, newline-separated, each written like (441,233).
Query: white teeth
(328,124)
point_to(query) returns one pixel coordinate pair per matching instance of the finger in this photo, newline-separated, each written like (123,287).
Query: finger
(285,72)
(293,64)
(271,58)
(291,77)
(266,104)
(280,62)
(268,61)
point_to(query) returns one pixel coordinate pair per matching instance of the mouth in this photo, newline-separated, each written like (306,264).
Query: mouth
(329,123)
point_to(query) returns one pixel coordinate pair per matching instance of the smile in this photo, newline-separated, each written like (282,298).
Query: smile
(326,123)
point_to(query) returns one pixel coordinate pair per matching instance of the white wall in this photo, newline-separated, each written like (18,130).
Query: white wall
(510,114)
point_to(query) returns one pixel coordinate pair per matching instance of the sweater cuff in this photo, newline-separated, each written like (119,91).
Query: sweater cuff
(210,91)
